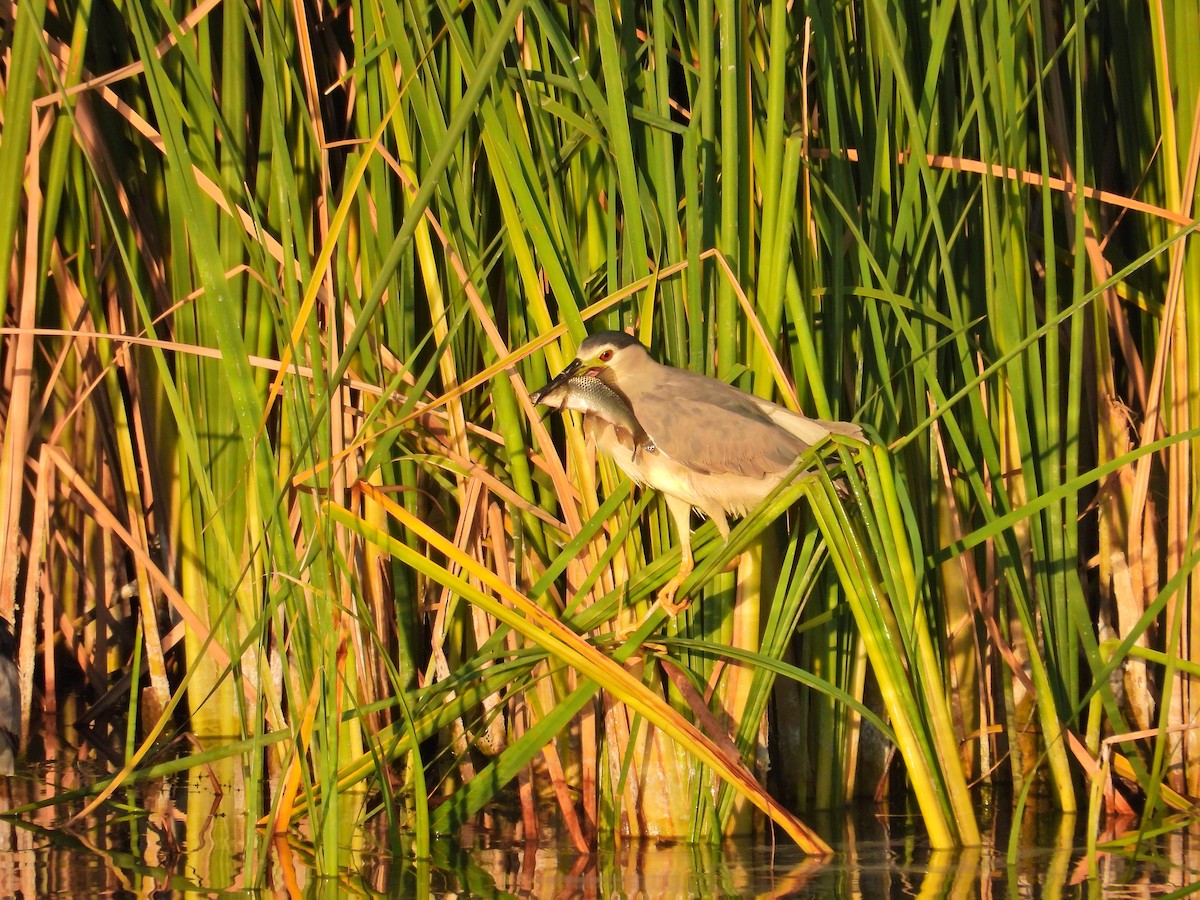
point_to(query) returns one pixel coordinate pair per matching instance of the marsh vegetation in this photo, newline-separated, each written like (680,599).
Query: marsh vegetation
(272,492)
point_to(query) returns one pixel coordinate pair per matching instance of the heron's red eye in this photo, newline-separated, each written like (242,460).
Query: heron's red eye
(605,355)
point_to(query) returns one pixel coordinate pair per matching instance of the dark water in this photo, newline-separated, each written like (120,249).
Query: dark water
(194,835)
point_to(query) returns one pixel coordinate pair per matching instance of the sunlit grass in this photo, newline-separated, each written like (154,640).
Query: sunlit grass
(283,276)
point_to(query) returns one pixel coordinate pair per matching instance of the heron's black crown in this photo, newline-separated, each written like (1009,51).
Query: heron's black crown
(616,339)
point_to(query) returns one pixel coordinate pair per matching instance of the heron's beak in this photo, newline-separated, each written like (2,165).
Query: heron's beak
(554,392)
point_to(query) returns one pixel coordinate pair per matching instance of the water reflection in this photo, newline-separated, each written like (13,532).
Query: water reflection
(198,834)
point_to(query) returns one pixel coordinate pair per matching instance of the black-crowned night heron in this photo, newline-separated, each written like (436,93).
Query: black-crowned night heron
(701,442)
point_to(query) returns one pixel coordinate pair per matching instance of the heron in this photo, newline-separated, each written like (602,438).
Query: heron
(702,443)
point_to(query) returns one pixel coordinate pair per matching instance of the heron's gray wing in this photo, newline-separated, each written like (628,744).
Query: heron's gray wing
(713,428)
(808,430)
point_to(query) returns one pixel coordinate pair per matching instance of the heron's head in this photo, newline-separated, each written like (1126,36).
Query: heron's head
(609,352)
(606,355)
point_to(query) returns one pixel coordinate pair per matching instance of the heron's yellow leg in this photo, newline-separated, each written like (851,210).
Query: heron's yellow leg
(681,512)
(666,597)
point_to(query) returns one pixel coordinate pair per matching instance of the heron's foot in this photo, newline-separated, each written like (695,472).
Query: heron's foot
(625,632)
(667,602)
(622,633)
(671,606)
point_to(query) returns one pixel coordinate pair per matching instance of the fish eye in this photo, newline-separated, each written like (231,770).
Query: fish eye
(605,355)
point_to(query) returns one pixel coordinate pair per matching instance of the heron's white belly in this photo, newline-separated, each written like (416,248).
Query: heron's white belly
(734,494)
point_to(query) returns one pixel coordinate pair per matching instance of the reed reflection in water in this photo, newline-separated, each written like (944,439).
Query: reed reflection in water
(195,833)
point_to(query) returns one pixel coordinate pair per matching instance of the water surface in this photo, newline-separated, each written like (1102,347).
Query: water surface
(194,834)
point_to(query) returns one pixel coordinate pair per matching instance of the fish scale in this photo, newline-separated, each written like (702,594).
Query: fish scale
(588,395)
